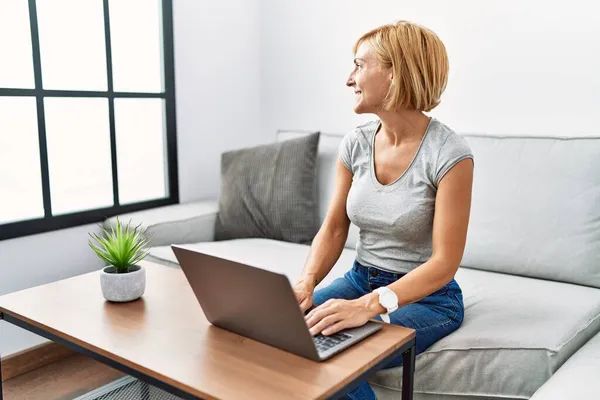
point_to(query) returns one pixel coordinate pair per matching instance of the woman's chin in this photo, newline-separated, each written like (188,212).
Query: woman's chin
(360,109)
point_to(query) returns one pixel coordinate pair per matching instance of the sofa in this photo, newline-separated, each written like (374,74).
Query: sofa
(530,273)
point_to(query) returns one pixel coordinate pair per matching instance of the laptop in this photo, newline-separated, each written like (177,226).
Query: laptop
(260,305)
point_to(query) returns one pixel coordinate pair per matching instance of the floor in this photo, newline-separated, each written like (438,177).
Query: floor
(62,380)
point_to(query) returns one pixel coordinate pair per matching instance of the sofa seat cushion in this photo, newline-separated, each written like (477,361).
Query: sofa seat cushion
(516,333)
(282,257)
(577,378)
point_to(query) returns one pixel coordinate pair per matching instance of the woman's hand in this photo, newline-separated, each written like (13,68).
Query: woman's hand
(303,289)
(337,314)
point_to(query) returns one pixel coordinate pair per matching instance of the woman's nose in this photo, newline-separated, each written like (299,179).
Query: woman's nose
(350,81)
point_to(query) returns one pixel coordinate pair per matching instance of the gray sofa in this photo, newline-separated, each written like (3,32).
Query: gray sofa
(530,273)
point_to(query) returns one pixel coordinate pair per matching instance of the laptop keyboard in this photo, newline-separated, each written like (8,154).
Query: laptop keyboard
(325,343)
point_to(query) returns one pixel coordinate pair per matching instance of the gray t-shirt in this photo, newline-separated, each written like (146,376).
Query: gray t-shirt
(396,220)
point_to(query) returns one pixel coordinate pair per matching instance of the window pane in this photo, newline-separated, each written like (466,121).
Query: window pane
(72,44)
(16,67)
(78,137)
(141,149)
(136,51)
(20,176)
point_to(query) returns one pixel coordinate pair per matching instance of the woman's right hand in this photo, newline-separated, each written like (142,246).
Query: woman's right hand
(303,289)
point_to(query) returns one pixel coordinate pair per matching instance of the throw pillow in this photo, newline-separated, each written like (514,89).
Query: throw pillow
(270,191)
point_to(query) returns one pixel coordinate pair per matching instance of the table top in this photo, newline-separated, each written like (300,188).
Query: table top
(165,335)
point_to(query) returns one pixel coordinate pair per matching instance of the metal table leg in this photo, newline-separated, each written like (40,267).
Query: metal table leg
(408,372)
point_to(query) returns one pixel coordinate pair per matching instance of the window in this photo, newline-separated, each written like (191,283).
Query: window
(87,112)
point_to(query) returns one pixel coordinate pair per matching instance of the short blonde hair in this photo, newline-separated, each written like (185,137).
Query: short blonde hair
(419,62)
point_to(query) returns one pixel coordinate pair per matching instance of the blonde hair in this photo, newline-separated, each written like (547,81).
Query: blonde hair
(418,60)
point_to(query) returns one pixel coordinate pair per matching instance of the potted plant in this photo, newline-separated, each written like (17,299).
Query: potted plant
(122,248)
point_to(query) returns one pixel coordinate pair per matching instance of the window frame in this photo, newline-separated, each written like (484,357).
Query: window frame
(49,222)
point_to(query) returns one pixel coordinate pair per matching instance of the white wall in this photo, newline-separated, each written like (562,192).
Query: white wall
(217,75)
(516,66)
(217,95)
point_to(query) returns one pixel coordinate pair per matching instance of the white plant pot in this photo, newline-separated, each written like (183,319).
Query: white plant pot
(123,287)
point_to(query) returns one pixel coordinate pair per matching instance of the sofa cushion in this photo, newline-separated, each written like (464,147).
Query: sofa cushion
(516,333)
(282,257)
(536,208)
(578,378)
(270,191)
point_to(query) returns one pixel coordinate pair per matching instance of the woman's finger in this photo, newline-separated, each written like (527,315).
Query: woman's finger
(323,306)
(317,315)
(324,323)
(335,328)
(313,311)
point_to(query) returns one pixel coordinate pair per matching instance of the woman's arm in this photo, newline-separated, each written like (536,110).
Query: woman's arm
(325,250)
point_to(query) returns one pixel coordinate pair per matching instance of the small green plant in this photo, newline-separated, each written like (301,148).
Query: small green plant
(122,247)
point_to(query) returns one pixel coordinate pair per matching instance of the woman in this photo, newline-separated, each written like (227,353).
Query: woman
(405,180)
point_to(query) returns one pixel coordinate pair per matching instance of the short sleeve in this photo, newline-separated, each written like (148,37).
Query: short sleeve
(345,149)
(454,149)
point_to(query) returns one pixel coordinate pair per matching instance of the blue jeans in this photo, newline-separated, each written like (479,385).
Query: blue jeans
(433,317)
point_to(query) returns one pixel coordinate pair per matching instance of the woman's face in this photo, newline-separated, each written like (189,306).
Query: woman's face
(370,80)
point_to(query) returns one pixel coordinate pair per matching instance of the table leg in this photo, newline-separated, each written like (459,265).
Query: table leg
(408,372)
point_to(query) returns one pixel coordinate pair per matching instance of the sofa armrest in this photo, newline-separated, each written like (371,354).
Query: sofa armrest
(175,224)
(577,378)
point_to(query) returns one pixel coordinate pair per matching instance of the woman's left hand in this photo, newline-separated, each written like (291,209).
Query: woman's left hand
(337,314)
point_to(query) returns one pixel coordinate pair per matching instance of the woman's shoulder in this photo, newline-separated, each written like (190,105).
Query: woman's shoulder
(441,136)
(363,132)
(446,148)
(355,144)
(368,127)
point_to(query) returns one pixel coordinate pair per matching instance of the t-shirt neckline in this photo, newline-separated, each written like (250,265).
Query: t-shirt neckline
(397,181)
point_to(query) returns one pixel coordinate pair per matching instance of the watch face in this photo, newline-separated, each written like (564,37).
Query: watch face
(388,299)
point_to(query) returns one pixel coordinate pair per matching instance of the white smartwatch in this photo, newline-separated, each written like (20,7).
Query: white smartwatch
(389,300)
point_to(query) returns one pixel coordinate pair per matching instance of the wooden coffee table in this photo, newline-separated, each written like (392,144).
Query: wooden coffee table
(165,340)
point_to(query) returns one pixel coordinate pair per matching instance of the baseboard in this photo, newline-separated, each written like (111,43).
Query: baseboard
(33,358)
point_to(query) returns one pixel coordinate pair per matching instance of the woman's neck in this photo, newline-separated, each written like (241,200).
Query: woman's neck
(400,126)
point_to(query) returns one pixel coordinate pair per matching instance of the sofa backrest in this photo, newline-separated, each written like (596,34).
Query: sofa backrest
(535,207)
